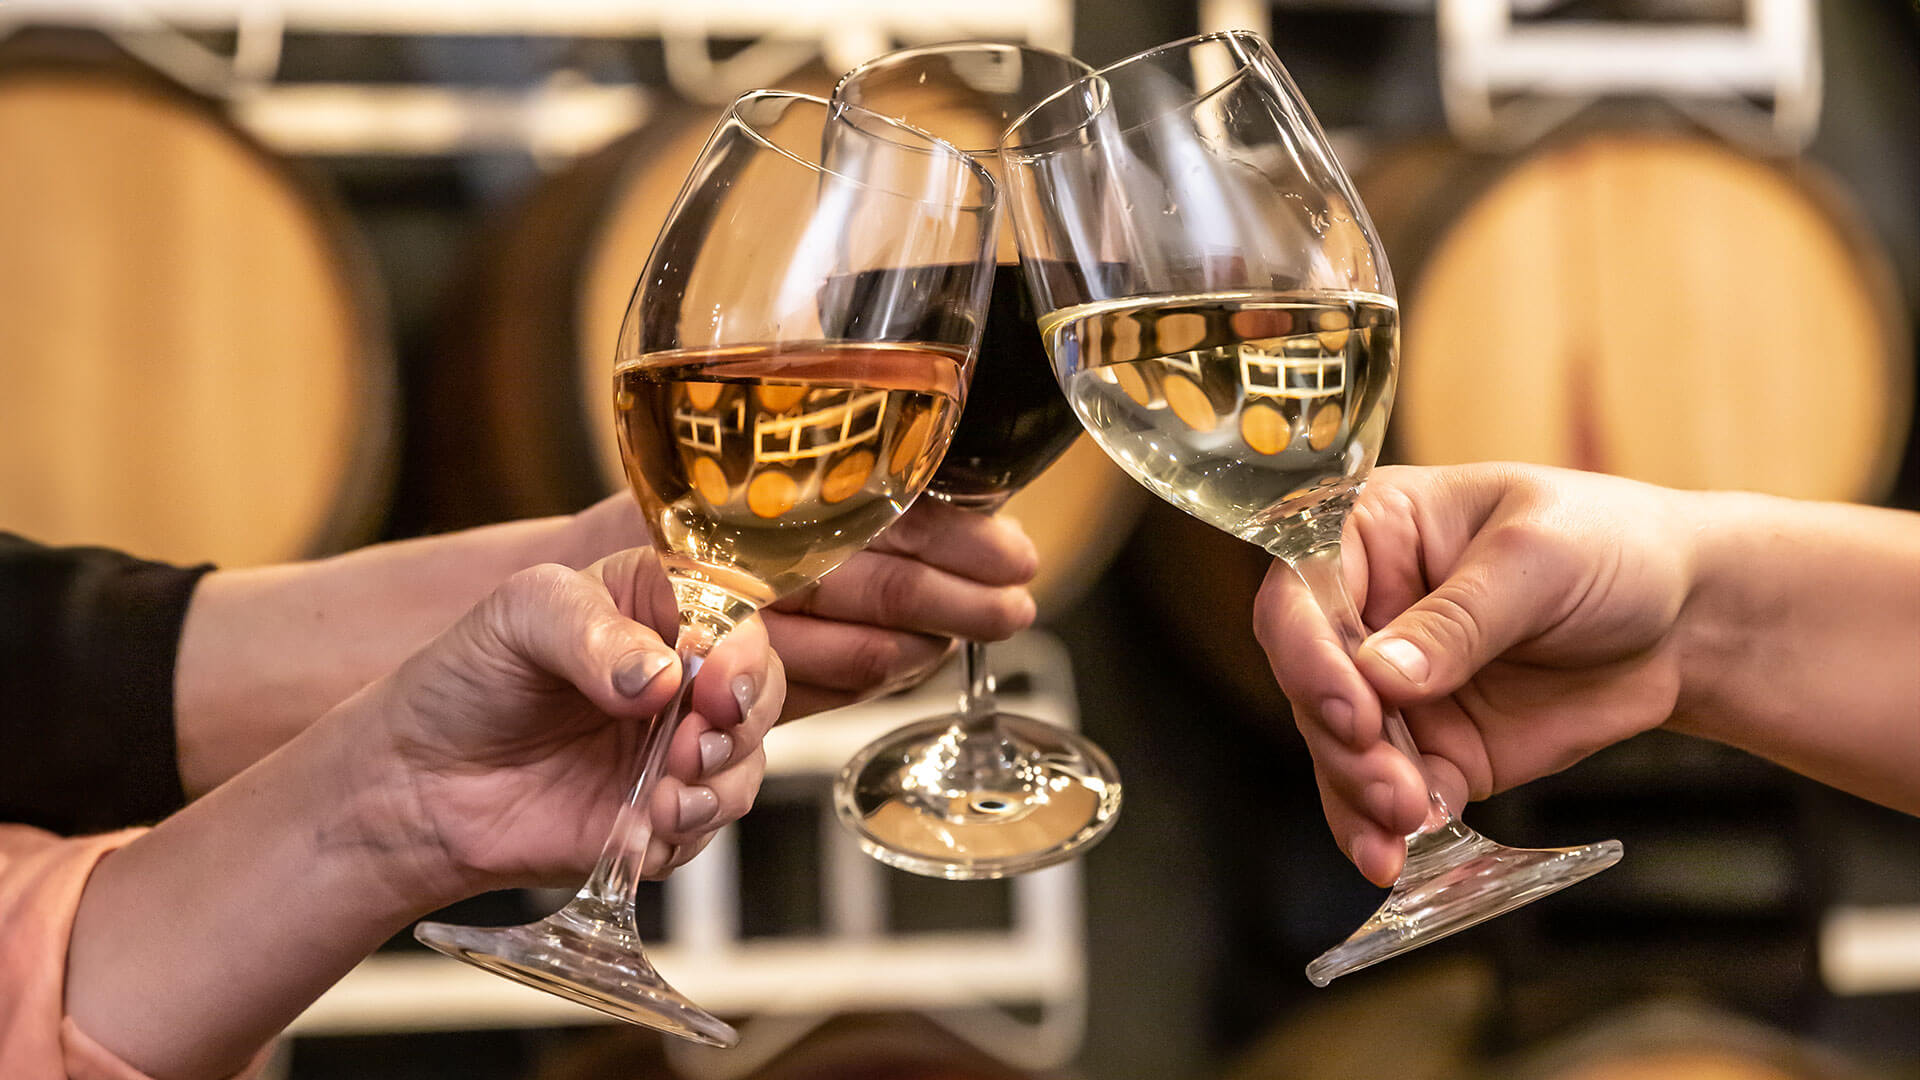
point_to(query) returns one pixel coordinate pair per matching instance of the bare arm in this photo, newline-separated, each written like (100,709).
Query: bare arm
(265,651)
(497,756)
(1801,640)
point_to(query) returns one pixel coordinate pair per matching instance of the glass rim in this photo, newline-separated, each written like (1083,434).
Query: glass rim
(915,52)
(1100,76)
(932,145)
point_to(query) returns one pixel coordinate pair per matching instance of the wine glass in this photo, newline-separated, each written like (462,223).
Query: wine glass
(981,792)
(786,379)
(1221,314)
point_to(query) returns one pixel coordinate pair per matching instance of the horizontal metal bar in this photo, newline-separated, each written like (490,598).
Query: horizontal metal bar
(1871,950)
(342,118)
(400,992)
(742,18)
(1593,58)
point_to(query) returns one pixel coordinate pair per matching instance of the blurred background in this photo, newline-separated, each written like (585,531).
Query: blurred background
(280,277)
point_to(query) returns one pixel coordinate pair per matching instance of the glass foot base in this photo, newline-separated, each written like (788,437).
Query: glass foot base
(1456,878)
(578,964)
(929,799)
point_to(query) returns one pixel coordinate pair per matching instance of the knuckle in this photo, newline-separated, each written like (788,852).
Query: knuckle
(539,582)
(892,591)
(873,661)
(1451,621)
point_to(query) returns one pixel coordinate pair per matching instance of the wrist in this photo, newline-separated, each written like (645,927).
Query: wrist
(1716,627)
(383,828)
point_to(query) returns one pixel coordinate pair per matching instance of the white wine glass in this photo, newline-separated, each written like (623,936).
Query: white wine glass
(1220,311)
(787,377)
(981,792)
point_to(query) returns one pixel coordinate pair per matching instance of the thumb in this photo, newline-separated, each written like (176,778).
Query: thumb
(555,622)
(1507,587)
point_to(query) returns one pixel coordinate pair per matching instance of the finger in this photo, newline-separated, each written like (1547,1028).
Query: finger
(856,660)
(1512,582)
(685,853)
(661,857)
(1376,782)
(980,547)
(1376,851)
(738,785)
(1309,663)
(897,592)
(739,680)
(696,810)
(735,698)
(564,623)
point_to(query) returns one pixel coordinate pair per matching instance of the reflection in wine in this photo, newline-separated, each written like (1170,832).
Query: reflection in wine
(758,470)
(1243,409)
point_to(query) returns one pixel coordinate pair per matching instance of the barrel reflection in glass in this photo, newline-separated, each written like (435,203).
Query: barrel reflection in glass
(1243,409)
(759,470)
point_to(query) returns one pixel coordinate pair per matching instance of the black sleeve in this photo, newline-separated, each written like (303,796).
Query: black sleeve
(87,644)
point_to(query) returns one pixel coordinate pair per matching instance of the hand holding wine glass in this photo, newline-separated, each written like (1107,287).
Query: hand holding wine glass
(982,792)
(786,380)
(1220,311)
(1541,614)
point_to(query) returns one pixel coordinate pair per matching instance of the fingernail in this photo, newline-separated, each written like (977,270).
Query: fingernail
(1405,657)
(635,671)
(1339,716)
(716,747)
(698,805)
(1379,801)
(745,691)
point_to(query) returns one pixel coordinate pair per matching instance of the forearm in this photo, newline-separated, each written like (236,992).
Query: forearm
(194,945)
(1801,639)
(265,651)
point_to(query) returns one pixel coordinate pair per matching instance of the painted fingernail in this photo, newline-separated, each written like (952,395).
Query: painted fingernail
(1405,657)
(1339,717)
(716,748)
(1379,802)
(745,691)
(636,671)
(698,805)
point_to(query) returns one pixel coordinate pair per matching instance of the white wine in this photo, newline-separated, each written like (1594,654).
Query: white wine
(1251,411)
(760,469)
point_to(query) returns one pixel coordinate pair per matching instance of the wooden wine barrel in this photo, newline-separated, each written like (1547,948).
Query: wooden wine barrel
(519,412)
(1679,1040)
(194,366)
(1646,304)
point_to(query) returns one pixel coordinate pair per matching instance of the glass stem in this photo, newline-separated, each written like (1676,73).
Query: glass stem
(606,901)
(978,705)
(976,696)
(1320,569)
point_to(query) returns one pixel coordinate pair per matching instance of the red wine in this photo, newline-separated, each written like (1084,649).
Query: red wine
(1016,420)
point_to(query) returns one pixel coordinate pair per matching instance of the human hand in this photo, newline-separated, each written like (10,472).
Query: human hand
(1527,619)
(513,738)
(888,616)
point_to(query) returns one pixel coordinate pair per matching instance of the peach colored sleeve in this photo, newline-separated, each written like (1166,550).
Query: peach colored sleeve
(41,878)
